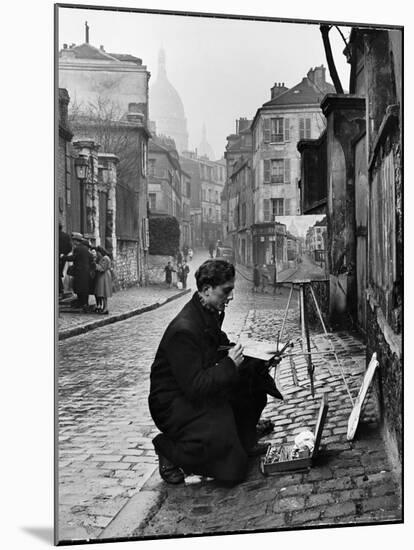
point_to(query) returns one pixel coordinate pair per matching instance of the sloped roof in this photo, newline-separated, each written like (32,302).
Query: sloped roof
(303,93)
(127,57)
(87,51)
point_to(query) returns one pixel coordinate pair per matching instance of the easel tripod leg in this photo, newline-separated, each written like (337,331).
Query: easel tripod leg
(305,337)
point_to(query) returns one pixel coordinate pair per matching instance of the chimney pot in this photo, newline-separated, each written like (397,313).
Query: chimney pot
(101,48)
(65,46)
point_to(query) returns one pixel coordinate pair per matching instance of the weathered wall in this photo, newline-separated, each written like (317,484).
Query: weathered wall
(389,377)
(156,265)
(126,264)
(346,121)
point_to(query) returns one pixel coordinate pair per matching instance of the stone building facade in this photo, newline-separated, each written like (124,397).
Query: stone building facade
(109,105)
(238,156)
(290,115)
(207,182)
(362,172)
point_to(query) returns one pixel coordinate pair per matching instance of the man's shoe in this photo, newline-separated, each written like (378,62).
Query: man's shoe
(258,449)
(264,427)
(170,473)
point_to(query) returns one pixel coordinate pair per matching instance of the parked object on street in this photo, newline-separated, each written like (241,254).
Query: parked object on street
(225,253)
(296,457)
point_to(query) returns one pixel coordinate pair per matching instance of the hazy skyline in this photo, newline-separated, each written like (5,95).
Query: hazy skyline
(223,69)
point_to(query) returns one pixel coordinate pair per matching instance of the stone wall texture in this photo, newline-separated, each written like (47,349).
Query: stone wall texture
(126,264)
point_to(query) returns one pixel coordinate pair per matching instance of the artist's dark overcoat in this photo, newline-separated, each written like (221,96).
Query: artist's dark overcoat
(205,407)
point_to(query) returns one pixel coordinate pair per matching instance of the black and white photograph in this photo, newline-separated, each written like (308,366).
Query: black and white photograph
(228,211)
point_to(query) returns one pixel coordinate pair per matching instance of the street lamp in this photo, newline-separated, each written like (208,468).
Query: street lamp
(82,167)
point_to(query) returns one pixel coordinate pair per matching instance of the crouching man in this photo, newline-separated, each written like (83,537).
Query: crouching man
(206,401)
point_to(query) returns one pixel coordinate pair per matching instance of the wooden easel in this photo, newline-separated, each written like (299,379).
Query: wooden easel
(305,339)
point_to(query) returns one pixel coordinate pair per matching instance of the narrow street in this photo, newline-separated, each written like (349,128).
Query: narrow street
(105,431)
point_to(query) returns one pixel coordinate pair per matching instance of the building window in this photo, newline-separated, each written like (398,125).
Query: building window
(277,207)
(277,171)
(243,214)
(151,167)
(276,130)
(152,201)
(304,128)
(276,126)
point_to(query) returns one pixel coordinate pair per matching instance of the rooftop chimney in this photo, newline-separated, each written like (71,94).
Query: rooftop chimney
(277,89)
(101,48)
(317,76)
(86,32)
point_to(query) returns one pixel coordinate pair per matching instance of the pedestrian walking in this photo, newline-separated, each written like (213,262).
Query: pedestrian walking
(184,271)
(264,277)
(185,252)
(256,278)
(190,254)
(211,249)
(205,398)
(92,274)
(65,247)
(179,257)
(103,286)
(81,270)
(169,270)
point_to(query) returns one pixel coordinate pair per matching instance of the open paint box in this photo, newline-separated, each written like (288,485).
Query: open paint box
(287,458)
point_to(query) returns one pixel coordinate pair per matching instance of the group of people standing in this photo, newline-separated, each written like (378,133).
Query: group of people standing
(91,270)
(182,269)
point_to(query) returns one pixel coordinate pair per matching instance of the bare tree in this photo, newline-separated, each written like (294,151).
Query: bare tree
(104,121)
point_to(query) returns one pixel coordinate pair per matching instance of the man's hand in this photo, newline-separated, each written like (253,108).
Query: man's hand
(236,354)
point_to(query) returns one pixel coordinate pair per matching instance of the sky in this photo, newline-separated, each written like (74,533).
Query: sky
(223,69)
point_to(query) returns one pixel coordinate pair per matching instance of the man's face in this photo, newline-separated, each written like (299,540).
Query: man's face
(220,295)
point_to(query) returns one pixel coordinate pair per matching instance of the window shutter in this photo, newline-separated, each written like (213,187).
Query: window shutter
(287,207)
(301,128)
(287,170)
(287,136)
(266,178)
(266,130)
(308,128)
(266,210)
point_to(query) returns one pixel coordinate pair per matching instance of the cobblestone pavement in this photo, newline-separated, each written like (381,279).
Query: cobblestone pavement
(105,431)
(350,483)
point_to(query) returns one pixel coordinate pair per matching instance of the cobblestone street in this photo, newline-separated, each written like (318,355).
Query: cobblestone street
(107,462)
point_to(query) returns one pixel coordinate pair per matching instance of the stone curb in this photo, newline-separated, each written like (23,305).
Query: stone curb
(75,331)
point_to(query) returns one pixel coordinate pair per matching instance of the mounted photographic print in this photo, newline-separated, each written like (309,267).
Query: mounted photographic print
(228,204)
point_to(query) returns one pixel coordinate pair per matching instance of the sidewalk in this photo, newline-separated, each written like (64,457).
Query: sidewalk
(122,305)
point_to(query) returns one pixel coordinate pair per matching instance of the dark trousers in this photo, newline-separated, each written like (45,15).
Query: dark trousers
(83,298)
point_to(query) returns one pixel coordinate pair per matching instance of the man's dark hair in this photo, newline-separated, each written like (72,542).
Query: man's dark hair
(214,273)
